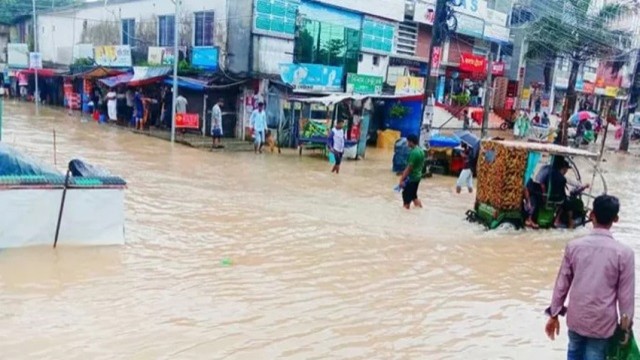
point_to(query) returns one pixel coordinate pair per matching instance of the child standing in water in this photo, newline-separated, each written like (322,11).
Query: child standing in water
(336,144)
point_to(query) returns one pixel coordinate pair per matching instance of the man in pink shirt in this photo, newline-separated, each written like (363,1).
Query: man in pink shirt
(599,272)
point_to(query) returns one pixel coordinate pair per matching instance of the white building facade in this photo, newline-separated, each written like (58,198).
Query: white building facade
(65,35)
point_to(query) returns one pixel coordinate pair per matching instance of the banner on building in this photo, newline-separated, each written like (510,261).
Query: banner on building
(205,57)
(35,60)
(469,25)
(498,68)
(425,12)
(473,63)
(364,84)
(167,55)
(436,58)
(409,85)
(155,55)
(312,77)
(112,55)
(496,33)
(611,91)
(82,51)
(18,55)
(187,121)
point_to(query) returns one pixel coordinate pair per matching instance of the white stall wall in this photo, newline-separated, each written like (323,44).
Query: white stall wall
(90,217)
(64,29)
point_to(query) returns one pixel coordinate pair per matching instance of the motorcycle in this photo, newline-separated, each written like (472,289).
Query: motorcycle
(507,125)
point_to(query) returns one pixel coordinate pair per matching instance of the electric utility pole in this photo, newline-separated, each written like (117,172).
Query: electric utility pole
(35,50)
(488,86)
(634,97)
(439,32)
(176,58)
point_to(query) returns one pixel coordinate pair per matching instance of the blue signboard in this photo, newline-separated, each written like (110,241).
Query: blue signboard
(205,57)
(314,77)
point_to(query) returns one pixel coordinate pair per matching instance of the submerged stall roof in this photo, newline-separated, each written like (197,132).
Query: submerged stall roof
(141,76)
(15,163)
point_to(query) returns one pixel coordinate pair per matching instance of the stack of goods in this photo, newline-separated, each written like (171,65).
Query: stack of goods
(314,129)
(500,176)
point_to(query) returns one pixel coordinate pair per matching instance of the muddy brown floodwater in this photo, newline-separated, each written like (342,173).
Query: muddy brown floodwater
(324,267)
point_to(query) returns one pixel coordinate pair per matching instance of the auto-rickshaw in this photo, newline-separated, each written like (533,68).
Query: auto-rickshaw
(503,169)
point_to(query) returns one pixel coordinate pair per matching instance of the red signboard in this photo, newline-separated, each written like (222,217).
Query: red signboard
(497,69)
(435,60)
(588,88)
(473,63)
(187,121)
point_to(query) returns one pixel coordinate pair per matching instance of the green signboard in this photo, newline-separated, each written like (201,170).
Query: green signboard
(364,84)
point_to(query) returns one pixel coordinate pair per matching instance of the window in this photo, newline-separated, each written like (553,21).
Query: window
(328,44)
(378,36)
(22,32)
(376,60)
(360,57)
(203,33)
(407,38)
(128,32)
(166,27)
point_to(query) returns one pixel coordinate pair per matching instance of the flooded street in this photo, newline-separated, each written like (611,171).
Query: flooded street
(324,267)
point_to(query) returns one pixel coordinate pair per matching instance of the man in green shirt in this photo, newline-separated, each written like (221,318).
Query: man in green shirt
(410,179)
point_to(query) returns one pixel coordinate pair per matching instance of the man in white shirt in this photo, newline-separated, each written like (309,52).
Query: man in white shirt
(181,104)
(259,126)
(216,123)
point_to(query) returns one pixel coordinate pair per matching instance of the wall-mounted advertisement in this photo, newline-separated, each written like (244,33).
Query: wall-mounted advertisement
(312,77)
(18,55)
(113,55)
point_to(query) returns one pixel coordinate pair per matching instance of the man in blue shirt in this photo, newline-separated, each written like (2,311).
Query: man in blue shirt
(259,126)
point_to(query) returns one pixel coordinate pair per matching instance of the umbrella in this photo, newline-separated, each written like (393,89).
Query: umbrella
(467,138)
(470,139)
(581,116)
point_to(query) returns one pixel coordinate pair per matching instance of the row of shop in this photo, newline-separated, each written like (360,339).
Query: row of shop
(85,89)
(299,119)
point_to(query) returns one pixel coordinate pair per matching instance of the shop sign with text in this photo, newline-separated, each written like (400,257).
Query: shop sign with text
(473,63)
(187,121)
(436,58)
(364,84)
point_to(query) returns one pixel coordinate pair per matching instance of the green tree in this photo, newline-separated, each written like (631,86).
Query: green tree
(10,10)
(570,29)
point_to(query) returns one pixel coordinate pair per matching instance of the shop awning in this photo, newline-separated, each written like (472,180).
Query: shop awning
(188,83)
(99,72)
(117,80)
(337,98)
(141,76)
(44,72)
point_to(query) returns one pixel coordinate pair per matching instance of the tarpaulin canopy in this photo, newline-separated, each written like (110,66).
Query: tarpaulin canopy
(99,72)
(141,76)
(189,83)
(15,163)
(44,72)
(117,80)
(337,98)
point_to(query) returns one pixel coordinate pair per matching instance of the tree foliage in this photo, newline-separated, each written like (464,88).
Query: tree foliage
(10,10)
(572,30)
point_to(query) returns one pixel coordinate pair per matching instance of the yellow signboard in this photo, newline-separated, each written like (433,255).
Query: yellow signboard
(526,94)
(611,91)
(409,85)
